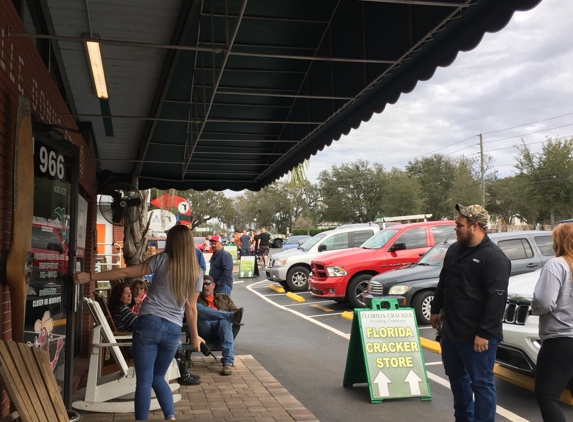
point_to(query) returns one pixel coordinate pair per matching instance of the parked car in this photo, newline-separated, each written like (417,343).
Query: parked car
(276,240)
(527,250)
(294,242)
(199,243)
(521,342)
(343,276)
(292,268)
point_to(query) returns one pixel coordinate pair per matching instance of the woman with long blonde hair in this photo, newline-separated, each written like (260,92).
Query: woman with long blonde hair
(553,302)
(173,290)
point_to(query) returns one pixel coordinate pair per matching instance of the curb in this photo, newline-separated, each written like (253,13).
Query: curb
(295,297)
(276,288)
(431,345)
(349,315)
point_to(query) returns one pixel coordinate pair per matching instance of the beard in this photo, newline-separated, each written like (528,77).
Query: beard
(465,239)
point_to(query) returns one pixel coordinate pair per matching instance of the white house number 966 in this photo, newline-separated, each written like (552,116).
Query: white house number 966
(52,163)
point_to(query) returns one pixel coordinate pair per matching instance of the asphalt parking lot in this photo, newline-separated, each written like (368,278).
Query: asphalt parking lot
(304,345)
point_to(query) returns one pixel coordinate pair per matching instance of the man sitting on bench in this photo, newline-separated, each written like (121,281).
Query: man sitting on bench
(216,312)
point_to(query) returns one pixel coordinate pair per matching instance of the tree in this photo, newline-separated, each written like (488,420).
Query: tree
(508,198)
(352,193)
(402,196)
(466,185)
(550,174)
(436,176)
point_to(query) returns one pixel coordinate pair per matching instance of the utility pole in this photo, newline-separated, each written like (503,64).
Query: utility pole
(482,171)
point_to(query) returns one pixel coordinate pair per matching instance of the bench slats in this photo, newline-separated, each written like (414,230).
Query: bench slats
(30,383)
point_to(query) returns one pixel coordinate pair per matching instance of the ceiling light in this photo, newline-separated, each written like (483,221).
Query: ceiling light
(96,67)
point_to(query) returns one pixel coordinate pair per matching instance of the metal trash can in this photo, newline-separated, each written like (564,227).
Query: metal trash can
(74,416)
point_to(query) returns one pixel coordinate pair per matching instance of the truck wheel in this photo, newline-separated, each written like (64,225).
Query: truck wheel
(421,304)
(355,288)
(278,243)
(297,278)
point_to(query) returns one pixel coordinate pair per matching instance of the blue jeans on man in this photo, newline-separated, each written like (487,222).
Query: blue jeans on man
(471,374)
(213,324)
(225,288)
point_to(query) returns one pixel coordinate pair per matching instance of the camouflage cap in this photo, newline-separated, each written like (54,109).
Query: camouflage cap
(475,212)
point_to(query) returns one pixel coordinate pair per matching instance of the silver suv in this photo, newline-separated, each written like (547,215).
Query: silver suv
(291,268)
(528,250)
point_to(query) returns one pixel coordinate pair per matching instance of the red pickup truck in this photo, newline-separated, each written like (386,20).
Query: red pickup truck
(344,275)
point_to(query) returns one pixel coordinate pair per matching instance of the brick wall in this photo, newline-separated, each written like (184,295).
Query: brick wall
(22,72)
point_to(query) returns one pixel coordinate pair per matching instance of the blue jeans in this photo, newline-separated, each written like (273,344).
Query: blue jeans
(471,373)
(213,324)
(155,341)
(245,251)
(224,289)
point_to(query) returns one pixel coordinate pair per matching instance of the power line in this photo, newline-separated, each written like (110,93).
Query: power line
(527,124)
(530,133)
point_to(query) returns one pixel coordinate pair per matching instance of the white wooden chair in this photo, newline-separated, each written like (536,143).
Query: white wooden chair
(114,392)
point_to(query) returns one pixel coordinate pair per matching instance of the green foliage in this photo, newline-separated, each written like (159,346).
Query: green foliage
(309,231)
(352,193)
(549,175)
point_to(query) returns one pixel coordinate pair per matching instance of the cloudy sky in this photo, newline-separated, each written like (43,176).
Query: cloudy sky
(513,86)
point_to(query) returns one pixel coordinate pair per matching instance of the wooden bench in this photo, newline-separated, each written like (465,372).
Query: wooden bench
(31,385)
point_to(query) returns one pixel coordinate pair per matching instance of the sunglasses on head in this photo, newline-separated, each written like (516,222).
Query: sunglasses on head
(207,283)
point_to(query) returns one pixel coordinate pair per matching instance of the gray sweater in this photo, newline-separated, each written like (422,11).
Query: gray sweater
(553,300)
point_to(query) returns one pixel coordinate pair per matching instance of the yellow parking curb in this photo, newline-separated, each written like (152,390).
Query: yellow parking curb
(431,345)
(295,297)
(276,288)
(349,315)
(525,381)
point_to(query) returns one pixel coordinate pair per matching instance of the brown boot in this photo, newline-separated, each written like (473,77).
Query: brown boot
(226,369)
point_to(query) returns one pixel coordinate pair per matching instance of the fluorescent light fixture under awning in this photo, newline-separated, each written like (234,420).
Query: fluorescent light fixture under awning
(96,67)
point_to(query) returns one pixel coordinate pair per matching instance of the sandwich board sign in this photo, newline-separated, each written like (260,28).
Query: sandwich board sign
(232,249)
(247,267)
(385,351)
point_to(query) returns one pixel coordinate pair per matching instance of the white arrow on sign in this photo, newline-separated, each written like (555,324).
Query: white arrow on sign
(250,273)
(382,381)
(414,381)
(242,273)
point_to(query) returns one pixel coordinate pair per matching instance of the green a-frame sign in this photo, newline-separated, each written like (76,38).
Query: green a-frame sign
(385,352)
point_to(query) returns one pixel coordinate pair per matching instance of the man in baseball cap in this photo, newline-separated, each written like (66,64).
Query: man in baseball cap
(476,213)
(467,310)
(221,266)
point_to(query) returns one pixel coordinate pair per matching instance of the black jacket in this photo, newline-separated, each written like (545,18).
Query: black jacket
(472,291)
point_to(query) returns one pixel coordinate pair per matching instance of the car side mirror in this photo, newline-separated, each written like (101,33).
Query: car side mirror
(321,248)
(397,247)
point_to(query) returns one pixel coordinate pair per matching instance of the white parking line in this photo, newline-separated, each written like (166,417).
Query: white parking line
(442,381)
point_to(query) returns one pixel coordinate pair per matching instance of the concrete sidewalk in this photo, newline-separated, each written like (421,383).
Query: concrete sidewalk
(251,394)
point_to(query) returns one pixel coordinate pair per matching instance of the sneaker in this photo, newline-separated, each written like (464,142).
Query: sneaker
(226,368)
(238,316)
(188,379)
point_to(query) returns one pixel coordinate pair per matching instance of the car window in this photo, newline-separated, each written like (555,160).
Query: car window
(314,240)
(413,238)
(441,233)
(359,237)
(45,240)
(436,255)
(379,239)
(545,244)
(336,241)
(516,248)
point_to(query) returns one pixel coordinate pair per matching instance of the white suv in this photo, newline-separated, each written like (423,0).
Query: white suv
(292,267)
(521,341)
